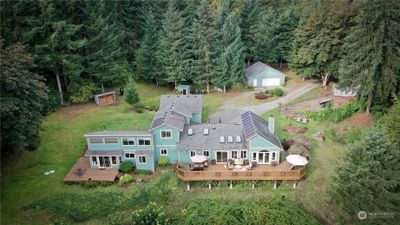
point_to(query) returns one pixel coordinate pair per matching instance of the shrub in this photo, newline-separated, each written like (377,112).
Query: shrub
(139,108)
(126,166)
(125,179)
(336,115)
(53,103)
(152,214)
(89,184)
(131,96)
(163,161)
(143,172)
(276,92)
(84,93)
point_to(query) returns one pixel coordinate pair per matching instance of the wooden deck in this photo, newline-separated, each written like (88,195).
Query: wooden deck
(280,172)
(89,174)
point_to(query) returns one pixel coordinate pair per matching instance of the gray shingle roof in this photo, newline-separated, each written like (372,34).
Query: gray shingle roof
(194,103)
(103,152)
(167,116)
(120,133)
(199,141)
(259,67)
(254,125)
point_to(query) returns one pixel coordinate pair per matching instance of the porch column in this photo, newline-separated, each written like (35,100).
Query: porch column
(275,184)
(188,186)
(294,185)
(209,185)
(230,185)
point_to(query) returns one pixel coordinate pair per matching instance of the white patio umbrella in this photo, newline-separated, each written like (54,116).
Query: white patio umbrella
(198,158)
(297,160)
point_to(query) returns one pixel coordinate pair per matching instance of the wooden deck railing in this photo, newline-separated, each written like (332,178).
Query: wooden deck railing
(186,175)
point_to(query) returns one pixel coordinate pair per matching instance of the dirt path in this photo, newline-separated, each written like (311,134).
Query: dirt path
(230,113)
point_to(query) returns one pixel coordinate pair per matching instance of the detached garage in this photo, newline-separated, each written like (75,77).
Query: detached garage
(261,75)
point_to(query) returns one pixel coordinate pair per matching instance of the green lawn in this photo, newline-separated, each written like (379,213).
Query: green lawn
(62,144)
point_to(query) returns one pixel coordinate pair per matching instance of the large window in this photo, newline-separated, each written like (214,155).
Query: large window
(142,159)
(114,159)
(111,140)
(129,155)
(94,160)
(206,153)
(163,152)
(166,134)
(243,154)
(144,142)
(96,140)
(234,154)
(128,141)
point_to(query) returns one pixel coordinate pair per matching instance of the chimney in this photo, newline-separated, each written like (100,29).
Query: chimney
(271,124)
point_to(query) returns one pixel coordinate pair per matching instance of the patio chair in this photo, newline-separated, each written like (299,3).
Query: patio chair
(253,164)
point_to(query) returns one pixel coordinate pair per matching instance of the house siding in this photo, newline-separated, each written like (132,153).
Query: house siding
(196,118)
(264,75)
(257,144)
(169,144)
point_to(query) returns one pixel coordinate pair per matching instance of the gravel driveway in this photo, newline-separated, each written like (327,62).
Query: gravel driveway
(230,113)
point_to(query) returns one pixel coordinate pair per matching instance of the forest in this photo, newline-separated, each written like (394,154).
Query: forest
(56,52)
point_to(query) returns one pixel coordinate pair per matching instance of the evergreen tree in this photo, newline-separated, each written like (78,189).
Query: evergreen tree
(145,60)
(390,122)
(249,13)
(264,39)
(320,39)
(372,58)
(131,96)
(365,181)
(171,52)
(23,98)
(202,37)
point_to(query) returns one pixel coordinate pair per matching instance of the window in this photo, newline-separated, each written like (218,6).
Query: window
(222,139)
(163,151)
(144,142)
(128,141)
(238,139)
(206,153)
(142,159)
(243,154)
(129,155)
(111,140)
(166,134)
(230,139)
(273,156)
(190,131)
(254,156)
(120,159)
(114,159)
(192,153)
(96,140)
(205,131)
(234,154)
(94,160)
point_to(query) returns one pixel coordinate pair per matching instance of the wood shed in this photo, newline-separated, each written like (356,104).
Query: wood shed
(105,98)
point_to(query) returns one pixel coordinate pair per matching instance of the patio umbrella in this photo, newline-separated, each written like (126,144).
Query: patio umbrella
(198,158)
(297,160)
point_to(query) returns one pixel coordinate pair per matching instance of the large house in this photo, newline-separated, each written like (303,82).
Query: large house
(260,75)
(177,133)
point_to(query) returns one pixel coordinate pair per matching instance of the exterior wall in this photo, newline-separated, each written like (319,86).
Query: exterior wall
(115,166)
(257,144)
(149,165)
(196,118)
(169,144)
(184,156)
(264,75)
(119,146)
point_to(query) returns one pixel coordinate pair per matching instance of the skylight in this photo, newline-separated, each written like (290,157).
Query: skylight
(222,139)
(230,139)
(205,131)
(238,139)
(190,131)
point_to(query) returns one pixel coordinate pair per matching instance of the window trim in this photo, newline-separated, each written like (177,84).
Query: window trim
(139,157)
(129,152)
(116,160)
(273,156)
(237,154)
(96,161)
(161,149)
(104,141)
(128,138)
(241,154)
(191,153)
(170,131)
(149,139)
(209,153)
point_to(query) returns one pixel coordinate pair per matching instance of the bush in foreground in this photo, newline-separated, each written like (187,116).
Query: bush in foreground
(125,179)
(163,161)
(126,166)
(151,214)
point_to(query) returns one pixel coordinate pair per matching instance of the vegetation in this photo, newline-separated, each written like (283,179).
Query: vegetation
(276,92)
(84,93)
(125,179)
(336,115)
(126,166)
(163,161)
(365,181)
(23,98)
(151,214)
(131,97)
(391,123)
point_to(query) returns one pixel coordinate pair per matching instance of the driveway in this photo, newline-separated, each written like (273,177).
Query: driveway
(230,113)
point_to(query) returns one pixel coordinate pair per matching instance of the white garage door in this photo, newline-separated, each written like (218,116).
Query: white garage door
(271,82)
(255,83)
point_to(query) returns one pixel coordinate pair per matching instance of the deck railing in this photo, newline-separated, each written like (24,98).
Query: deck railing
(186,175)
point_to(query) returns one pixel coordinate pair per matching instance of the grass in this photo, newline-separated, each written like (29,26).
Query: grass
(23,182)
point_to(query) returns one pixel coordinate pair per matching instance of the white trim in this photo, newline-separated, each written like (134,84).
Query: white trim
(240,151)
(165,145)
(170,131)
(166,149)
(122,141)
(237,154)
(190,153)
(104,140)
(88,141)
(129,152)
(144,139)
(227,157)
(117,135)
(209,153)
(138,160)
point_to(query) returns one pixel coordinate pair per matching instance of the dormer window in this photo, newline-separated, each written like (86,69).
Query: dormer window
(190,131)
(238,139)
(205,131)
(222,139)
(230,139)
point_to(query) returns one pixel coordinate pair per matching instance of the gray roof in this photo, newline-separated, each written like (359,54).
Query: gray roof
(103,152)
(259,67)
(192,102)
(254,125)
(167,116)
(199,141)
(119,133)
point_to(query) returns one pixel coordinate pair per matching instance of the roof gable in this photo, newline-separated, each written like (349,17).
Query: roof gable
(259,67)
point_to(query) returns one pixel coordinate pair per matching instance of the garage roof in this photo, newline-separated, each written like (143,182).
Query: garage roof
(259,67)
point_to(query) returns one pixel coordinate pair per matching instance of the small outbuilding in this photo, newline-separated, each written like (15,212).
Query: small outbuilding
(184,89)
(260,75)
(105,98)
(344,91)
